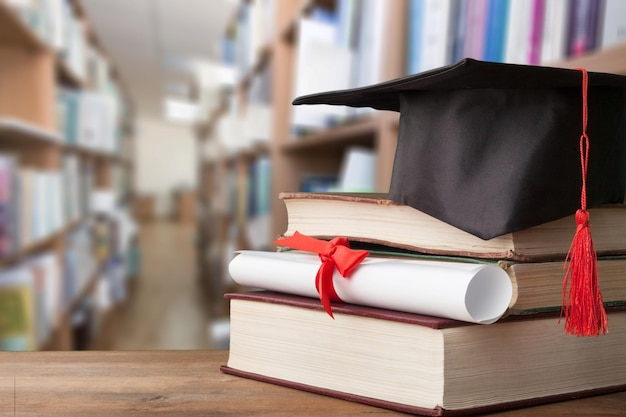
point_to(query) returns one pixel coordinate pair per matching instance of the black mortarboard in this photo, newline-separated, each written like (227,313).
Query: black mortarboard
(493,148)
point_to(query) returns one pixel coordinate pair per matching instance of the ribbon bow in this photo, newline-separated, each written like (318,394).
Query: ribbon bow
(334,253)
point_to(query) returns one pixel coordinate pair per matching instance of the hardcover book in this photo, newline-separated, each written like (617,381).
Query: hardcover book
(419,364)
(373,218)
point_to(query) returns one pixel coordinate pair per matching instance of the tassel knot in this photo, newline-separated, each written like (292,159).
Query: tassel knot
(582,219)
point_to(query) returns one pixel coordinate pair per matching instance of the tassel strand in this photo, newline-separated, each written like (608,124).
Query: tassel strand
(582,306)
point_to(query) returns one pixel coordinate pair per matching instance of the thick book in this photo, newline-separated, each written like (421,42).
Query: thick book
(537,286)
(373,218)
(419,364)
(472,290)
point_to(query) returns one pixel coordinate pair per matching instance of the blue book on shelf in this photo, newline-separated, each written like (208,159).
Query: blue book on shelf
(228,50)
(414,36)
(264,184)
(71,101)
(496,30)
(320,14)
(458,26)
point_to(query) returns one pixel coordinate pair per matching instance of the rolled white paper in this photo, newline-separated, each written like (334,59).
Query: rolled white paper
(476,293)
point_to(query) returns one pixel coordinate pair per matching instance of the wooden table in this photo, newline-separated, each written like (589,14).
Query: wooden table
(186,383)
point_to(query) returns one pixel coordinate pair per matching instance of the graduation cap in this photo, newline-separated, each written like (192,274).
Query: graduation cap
(493,148)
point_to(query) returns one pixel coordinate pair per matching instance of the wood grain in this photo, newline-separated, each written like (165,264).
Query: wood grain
(188,383)
(6,383)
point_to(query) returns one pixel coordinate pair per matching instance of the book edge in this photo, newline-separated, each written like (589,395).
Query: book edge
(369,198)
(437,411)
(334,393)
(273,297)
(432,322)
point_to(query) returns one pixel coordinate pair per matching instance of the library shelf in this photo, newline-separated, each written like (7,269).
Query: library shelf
(32,71)
(15,32)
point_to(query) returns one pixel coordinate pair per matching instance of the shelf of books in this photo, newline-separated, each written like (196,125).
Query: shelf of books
(65,235)
(235,168)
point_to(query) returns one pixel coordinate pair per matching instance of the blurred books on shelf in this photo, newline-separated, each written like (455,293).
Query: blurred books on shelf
(523,32)
(352,38)
(32,205)
(89,120)
(317,48)
(64,117)
(356,174)
(17,327)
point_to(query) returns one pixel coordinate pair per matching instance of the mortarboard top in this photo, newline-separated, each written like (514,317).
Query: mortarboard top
(493,148)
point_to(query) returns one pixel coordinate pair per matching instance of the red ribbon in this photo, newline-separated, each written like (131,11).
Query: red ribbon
(334,253)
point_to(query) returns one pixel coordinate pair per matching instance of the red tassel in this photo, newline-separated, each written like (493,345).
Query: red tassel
(582,303)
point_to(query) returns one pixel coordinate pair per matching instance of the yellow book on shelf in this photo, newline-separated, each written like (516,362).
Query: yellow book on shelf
(17,311)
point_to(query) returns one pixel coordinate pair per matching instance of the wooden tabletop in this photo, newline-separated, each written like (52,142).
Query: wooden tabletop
(186,383)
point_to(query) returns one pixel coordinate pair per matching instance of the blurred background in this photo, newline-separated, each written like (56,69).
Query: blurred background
(143,142)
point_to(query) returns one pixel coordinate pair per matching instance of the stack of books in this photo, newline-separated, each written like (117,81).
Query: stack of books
(454,307)
(380,350)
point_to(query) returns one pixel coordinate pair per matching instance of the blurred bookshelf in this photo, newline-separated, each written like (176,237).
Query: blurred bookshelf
(281,43)
(66,236)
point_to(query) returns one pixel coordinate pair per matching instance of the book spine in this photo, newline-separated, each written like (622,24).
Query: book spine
(475,25)
(459,30)
(435,50)
(582,27)
(536,31)
(613,22)
(496,30)
(517,47)
(553,43)
(415,26)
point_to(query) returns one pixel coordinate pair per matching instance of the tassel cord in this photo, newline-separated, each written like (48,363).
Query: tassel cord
(582,301)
